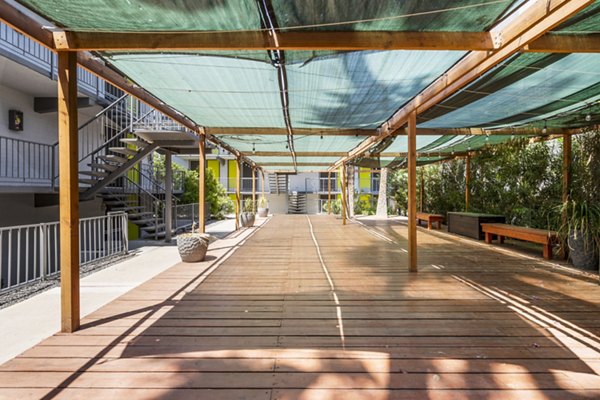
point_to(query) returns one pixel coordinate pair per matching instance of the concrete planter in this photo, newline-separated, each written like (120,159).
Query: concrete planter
(583,251)
(263,212)
(247,219)
(192,247)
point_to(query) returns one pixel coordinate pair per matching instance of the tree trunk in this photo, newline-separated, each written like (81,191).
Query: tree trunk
(382,208)
(350,191)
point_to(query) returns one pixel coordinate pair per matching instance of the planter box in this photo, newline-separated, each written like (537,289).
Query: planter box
(469,224)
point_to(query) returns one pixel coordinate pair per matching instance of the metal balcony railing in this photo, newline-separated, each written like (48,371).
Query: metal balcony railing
(245,185)
(30,253)
(25,51)
(23,161)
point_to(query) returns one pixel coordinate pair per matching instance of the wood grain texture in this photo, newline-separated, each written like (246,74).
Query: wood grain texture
(475,322)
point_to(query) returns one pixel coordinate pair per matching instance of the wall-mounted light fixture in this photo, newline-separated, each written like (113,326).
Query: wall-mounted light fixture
(15,120)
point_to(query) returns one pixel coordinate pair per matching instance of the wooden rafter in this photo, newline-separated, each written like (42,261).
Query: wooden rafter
(241,131)
(313,40)
(262,40)
(534,20)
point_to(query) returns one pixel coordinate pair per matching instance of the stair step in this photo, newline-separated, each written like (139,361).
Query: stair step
(88,181)
(106,167)
(145,221)
(152,228)
(134,141)
(114,159)
(141,214)
(119,202)
(123,150)
(94,173)
(129,208)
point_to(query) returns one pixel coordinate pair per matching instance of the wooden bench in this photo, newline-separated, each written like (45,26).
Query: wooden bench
(430,218)
(541,236)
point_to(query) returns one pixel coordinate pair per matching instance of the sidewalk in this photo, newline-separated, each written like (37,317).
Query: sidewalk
(28,322)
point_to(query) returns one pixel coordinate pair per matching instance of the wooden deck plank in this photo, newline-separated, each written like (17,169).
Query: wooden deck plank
(267,324)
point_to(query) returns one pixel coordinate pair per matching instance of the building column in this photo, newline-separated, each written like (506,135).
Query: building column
(202,184)
(467,181)
(168,196)
(343,184)
(421,192)
(329,192)
(412,192)
(68,190)
(253,190)
(566,185)
(238,204)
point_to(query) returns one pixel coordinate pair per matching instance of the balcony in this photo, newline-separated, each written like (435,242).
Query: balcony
(33,55)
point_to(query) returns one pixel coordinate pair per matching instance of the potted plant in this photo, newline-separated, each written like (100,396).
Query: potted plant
(247,215)
(580,229)
(263,207)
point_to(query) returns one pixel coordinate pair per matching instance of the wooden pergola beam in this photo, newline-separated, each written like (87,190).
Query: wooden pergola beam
(313,40)
(291,164)
(263,40)
(565,43)
(298,154)
(241,131)
(533,20)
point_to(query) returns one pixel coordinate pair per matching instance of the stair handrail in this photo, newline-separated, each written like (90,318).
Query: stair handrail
(152,181)
(112,139)
(98,115)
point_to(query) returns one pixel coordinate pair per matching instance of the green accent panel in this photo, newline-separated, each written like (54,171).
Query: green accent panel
(232,169)
(149,15)
(133,231)
(364,178)
(214,165)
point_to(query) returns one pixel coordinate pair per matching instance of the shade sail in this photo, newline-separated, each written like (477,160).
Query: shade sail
(340,89)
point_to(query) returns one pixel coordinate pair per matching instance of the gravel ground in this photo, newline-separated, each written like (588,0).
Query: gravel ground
(26,291)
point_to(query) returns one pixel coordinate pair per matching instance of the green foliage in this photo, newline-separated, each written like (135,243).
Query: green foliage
(336,206)
(216,195)
(248,205)
(520,180)
(578,217)
(262,202)
(363,206)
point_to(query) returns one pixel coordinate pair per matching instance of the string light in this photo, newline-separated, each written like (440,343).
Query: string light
(253,148)
(545,129)
(588,117)
(321,136)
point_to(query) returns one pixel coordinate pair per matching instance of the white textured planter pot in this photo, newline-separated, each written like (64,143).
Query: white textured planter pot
(247,219)
(192,247)
(263,212)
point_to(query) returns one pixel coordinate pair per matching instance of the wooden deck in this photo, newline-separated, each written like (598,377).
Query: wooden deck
(284,319)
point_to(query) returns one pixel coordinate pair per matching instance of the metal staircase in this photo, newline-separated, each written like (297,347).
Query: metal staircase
(278,183)
(297,203)
(109,148)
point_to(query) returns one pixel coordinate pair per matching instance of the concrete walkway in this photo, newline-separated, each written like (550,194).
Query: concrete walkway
(27,323)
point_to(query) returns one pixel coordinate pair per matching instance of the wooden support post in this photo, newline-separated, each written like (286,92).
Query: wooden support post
(329,193)
(343,183)
(238,204)
(69,191)
(467,181)
(253,190)
(412,192)
(421,191)
(566,186)
(168,196)
(202,184)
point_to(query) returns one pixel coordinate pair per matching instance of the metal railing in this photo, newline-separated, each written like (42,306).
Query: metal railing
(245,185)
(32,54)
(185,216)
(23,161)
(32,252)
(324,185)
